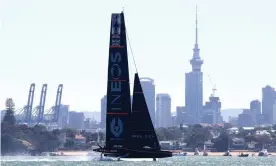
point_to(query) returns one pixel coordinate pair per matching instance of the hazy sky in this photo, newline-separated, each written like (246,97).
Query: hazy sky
(66,41)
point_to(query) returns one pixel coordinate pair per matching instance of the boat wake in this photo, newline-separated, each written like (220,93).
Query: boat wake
(137,159)
(44,158)
(104,159)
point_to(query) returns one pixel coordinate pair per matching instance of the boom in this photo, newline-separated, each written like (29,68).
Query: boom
(41,106)
(28,108)
(58,102)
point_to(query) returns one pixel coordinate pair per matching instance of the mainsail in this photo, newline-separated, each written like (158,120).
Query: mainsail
(142,130)
(118,106)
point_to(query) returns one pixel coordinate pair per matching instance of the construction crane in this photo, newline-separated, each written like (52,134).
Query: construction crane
(29,106)
(213,87)
(42,103)
(24,114)
(52,114)
(58,103)
(38,111)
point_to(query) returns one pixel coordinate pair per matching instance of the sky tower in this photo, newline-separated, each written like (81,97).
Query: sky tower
(194,84)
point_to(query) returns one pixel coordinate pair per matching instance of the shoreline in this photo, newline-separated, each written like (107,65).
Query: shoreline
(233,153)
(91,152)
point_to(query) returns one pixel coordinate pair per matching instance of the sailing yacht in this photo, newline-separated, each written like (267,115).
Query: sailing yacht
(129,130)
(263,152)
(196,153)
(227,153)
(205,153)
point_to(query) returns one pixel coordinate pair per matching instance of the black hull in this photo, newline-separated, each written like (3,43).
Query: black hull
(130,153)
(244,155)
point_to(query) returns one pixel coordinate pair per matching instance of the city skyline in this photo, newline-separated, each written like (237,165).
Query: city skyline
(63,47)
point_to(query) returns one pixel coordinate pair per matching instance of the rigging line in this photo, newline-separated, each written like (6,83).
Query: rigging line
(131,52)
(130,69)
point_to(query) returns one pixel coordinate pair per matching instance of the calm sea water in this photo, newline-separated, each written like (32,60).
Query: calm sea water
(174,161)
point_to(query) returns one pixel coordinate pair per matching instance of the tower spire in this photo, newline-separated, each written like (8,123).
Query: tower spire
(196,61)
(196,26)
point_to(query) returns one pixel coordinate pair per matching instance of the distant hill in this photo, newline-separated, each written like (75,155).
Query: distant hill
(93,115)
(225,113)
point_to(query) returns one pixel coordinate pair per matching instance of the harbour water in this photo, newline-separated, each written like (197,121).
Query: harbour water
(175,161)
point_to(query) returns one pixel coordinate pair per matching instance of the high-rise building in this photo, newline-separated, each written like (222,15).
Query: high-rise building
(255,108)
(103,110)
(163,110)
(76,120)
(211,112)
(245,119)
(274,113)
(3,112)
(63,116)
(180,115)
(268,100)
(149,92)
(194,84)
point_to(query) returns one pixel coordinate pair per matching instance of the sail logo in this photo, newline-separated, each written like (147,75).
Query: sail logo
(116,24)
(115,42)
(116,127)
(115,30)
